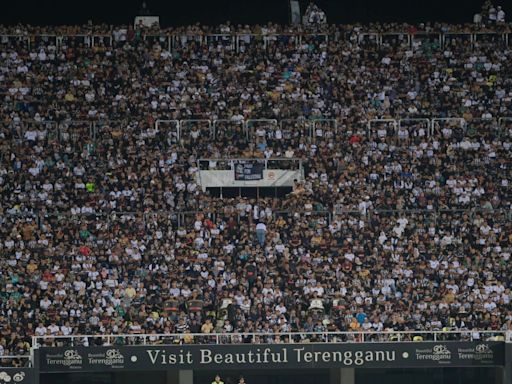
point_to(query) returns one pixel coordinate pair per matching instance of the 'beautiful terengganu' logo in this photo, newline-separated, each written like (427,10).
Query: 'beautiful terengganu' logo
(112,358)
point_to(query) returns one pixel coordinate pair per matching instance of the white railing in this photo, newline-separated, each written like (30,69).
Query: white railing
(236,41)
(388,336)
(220,126)
(269,338)
(252,125)
(230,163)
(174,130)
(186,126)
(387,123)
(438,123)
(170,130)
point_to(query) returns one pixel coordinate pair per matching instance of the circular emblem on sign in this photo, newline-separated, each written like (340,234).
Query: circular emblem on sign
(482,348)
(19,377)
(71,354)
(405,355)
(114,354)
(134,359)
(440,349)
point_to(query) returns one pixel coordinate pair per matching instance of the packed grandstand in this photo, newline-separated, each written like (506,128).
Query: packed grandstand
(402,221)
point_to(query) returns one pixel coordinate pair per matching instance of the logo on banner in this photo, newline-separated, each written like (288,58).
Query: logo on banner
(69,358)
(482,348)
(18,377)
(5,377)
(481,352)
(111,358)
(439,353)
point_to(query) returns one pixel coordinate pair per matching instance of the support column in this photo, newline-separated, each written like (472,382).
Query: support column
(347,376)
(507,369)
(185,376)
(342,376)
(172,377)
(35,362)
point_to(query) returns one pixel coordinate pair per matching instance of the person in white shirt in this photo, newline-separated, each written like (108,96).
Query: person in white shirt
(500,16)
(40,330)
(492,15)
(261,231)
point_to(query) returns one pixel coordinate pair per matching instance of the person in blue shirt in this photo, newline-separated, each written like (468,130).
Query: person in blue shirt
(361,316)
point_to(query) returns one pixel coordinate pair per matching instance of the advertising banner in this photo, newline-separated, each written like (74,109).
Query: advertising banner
(273,356)
(249,170)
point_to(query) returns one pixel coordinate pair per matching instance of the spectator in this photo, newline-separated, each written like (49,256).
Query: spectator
(261,232)
(500,15)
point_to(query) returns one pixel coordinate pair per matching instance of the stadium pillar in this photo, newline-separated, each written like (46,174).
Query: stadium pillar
(35,362)
(172,377)
(507,369)
(343,376)
(184,377)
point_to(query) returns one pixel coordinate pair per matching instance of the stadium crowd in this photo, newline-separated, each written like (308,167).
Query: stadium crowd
(393,227)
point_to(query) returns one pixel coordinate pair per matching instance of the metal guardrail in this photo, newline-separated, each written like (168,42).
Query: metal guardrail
(231,162)
(259,337)
(387,336)
(172,131)
(178,217)
(236,40)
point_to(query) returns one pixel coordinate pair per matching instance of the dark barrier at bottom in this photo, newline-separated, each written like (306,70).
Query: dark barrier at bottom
(448,375)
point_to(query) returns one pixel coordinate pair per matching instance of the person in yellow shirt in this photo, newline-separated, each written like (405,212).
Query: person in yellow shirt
(217,380)
(207,327)
(130,291)
(188,338)
(354,325)
(69,97)
(31,267)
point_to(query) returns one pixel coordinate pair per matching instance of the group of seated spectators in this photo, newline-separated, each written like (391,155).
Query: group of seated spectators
(105,228)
